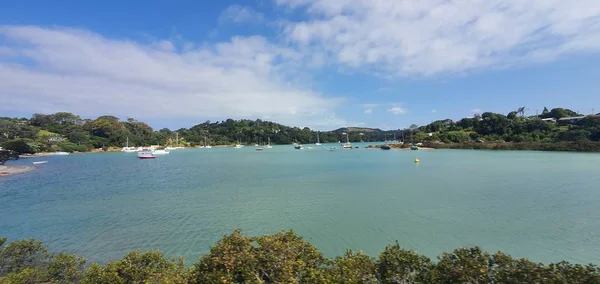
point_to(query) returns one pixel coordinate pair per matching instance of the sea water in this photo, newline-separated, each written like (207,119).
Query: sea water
(540,205)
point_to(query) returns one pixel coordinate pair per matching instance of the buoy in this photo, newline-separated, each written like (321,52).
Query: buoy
(417,160)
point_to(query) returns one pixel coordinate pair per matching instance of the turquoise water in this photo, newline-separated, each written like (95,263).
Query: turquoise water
(541,205)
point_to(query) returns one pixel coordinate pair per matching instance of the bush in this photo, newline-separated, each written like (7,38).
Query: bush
(284,258)
(70,147)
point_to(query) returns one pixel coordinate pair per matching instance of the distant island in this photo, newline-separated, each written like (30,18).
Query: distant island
(283,257)
(556,129)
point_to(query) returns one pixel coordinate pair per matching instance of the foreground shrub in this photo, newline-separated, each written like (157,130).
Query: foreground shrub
(284,258)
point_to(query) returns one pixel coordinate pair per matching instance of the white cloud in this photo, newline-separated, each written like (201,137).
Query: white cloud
(47,70)
(426,37)
(433,110)
(368,108)
(240,14)
(476,111)
(397,110)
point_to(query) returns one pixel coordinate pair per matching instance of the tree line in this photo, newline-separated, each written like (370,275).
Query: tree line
(283,257)
(513,127)
(68,132)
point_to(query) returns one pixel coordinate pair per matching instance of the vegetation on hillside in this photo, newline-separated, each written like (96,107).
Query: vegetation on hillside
(283,258)
(496,130)
(68,132)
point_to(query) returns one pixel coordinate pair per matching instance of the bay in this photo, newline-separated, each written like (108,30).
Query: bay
(540,205)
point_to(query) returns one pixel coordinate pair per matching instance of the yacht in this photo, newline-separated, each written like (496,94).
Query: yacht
(128,149)
(269,144)
(347,145)
(205,146)
(318,142)
(60,153)
(160,152)
(146,155)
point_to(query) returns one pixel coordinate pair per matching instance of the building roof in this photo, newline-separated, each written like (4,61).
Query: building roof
(572,118)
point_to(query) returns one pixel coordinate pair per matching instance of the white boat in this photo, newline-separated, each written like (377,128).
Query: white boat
(40,162)
(205,146)
(128,149)
(146,155)
(179,147)
(318,142)
(170,148)
(347,145)
(269,145)
(160,152)
(60,153)
(256,145)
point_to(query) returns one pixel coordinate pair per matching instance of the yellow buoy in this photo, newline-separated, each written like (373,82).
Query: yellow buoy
(417,160)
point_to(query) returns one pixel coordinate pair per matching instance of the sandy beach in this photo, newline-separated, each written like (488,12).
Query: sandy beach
(9,170)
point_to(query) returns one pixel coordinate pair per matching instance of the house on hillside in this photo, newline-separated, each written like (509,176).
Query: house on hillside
(447,122)
(550,119)
(55,139)
(570,120)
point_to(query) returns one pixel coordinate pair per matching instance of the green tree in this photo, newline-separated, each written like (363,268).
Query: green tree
(66,268)
(280,258)
(396,265)
(137,267)
(464,265)
(23,254)
(353,267)
(545,111)
(558,113)
(18,146)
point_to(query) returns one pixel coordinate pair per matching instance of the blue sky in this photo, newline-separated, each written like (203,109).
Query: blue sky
(318,63)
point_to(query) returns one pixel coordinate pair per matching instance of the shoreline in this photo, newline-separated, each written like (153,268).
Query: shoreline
(11,170)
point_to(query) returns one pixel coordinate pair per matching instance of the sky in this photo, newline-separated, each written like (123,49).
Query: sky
(324,64)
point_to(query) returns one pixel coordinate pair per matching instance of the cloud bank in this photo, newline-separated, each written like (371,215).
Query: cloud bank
(427,37)
(46,70)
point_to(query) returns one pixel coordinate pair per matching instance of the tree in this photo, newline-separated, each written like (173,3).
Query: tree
(6,155)
(280,258)
(23,254)
(512,115)
(66,268)
(353,267)
(138,267)
(18,146)
(396,265)
(558,113)
(464,265)
(521,111)
(545,111)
